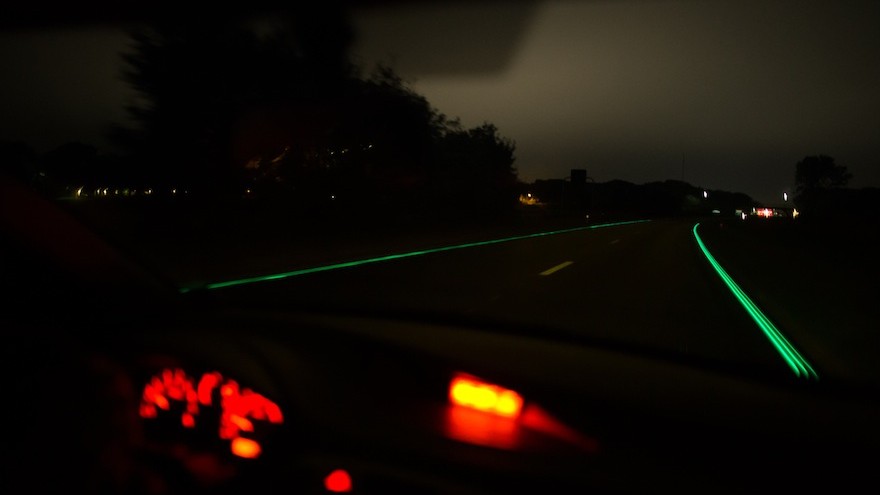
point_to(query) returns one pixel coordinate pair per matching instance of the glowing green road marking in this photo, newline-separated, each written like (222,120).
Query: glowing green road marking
(349,264)
(795,360)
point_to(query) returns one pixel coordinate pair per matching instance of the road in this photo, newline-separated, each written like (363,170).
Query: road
(644,285)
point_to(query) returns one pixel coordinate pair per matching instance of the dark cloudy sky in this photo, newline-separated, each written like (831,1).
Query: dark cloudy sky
(741,89)
(736,91)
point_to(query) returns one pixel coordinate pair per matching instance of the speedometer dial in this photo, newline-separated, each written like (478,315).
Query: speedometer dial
(174,392)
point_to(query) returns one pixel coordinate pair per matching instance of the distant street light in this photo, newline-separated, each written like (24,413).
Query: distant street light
(705,194)
(785,196)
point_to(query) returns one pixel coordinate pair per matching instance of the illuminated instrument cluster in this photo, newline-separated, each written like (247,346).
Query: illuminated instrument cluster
(210,402)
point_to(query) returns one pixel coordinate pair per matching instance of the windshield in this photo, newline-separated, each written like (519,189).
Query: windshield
(697,180)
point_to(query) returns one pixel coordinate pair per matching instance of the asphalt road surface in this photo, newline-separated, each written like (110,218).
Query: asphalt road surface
(645,285)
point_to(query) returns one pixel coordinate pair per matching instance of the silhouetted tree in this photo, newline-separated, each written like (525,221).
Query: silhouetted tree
(368,142)
(820,172)
(190,79)
(280,110)
(197,80)
(389,134)
(474,169)
(815,177)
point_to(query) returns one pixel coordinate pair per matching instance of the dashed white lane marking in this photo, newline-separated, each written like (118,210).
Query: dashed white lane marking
(551,271)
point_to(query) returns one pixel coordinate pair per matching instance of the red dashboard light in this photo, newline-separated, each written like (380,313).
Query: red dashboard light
(206,387)
(339,481)
(468,391)
(188,420)
(239,407)
(540,420)
(148,411)
(476,427)
(241,423)
(245,447)
(489,415)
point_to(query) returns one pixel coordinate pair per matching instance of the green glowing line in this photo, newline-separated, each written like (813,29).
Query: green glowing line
(349,264)
(795,360)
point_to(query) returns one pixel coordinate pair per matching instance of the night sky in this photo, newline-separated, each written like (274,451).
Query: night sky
(726,95)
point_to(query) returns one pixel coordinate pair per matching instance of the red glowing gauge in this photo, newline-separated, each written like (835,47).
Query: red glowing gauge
(239,407)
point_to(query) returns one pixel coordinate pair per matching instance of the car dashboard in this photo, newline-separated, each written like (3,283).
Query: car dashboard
(227,400)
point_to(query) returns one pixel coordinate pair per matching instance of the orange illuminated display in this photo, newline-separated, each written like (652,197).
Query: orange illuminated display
(339,481)
(245,447)
(469,425)
(240,407)
(469,391)
(488,415)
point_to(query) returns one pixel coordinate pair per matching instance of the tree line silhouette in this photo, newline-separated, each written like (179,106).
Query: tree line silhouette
(822,192)
(273,109)
(227,109)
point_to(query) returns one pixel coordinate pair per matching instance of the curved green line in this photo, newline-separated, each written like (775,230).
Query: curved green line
(348,264)
(795,360)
